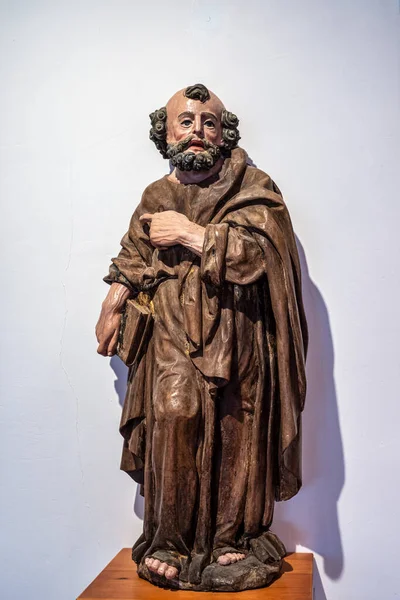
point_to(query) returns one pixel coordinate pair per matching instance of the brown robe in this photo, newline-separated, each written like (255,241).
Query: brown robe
(212,416)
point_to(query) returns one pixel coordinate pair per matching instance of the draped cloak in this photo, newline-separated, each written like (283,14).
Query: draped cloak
(245,289)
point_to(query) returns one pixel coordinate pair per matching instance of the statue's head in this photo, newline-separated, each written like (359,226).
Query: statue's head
(194,130)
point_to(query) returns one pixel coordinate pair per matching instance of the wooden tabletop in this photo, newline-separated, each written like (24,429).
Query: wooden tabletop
(119,581)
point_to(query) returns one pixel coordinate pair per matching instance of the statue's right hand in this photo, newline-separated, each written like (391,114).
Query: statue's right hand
(107,330)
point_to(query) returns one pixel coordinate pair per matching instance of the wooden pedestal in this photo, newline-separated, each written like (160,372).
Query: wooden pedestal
(119,581)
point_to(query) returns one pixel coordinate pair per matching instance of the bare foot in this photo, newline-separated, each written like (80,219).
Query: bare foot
(162,568)
(230,557)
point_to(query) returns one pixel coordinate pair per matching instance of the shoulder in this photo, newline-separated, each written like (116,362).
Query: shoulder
(250,175)
(158,195)
(256,177)
(154,188)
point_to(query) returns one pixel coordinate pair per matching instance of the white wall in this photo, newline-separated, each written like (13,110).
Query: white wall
(316,86)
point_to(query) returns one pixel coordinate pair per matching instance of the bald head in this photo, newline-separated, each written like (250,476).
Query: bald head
(184,100)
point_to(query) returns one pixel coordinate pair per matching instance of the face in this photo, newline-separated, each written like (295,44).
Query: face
(187,117)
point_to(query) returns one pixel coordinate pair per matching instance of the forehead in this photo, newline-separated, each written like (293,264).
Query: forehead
(179,104)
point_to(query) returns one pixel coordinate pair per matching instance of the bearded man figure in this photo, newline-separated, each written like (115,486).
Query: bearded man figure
(212,416)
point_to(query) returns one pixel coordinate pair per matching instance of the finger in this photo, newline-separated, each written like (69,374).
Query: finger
(102,348)
(112,346)
(104,338)
(146,218)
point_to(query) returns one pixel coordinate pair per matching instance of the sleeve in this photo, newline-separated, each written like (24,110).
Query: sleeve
(132,266)
(115,276)
(231,253)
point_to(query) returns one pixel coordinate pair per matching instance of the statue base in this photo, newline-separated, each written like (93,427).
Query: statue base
(246,574)
(259,568)
(120,581)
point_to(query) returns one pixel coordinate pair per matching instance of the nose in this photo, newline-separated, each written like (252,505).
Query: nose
(197,126)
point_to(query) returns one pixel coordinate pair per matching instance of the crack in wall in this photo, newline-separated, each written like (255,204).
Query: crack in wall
(61,354)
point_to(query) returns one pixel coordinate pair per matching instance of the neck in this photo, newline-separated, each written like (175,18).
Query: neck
(186,177)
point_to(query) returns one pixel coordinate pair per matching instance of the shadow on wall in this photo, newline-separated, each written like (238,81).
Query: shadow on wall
(311,518)
(121,373)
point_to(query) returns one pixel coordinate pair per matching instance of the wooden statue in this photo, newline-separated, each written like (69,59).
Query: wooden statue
(205,305)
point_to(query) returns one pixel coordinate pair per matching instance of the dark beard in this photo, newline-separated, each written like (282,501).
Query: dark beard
(192,161)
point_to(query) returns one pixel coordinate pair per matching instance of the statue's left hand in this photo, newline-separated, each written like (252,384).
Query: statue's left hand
(167,228)
(107,328)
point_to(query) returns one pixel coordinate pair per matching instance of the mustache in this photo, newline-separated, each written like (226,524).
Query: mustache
(184,144)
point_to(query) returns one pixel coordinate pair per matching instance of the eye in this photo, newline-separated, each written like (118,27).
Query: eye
(186,122)
(209,124)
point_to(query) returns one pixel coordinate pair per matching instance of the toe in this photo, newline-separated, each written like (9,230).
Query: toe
(171,572)
(154,567)
(149,563)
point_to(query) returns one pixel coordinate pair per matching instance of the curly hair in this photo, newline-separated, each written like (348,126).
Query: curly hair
(198,91)
(229,121)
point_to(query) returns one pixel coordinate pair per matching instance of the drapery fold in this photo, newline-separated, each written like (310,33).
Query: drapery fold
(249,246)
